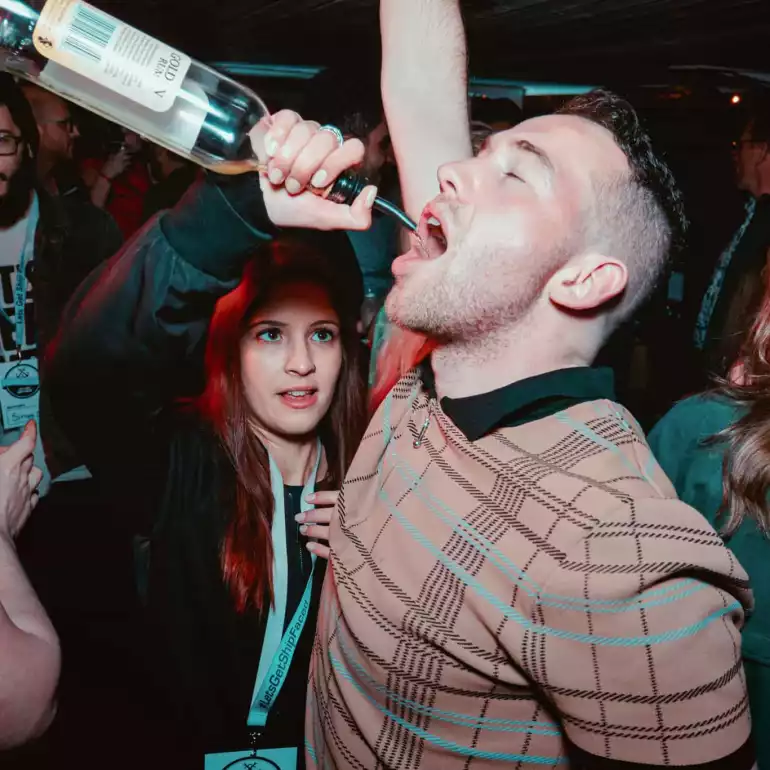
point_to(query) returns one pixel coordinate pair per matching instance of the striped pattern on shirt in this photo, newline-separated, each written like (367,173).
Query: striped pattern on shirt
(521,599)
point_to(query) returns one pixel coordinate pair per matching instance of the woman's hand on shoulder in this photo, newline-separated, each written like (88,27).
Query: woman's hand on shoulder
(19,480)
(315,522)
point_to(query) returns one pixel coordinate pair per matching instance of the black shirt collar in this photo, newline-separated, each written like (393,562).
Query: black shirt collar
(523,401)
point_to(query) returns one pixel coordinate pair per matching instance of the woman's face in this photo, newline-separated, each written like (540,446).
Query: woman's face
(291,358)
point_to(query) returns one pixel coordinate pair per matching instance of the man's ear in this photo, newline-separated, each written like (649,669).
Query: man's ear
(588,282)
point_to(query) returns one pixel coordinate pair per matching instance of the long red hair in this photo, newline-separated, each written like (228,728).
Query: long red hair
(247,549)
(402,351)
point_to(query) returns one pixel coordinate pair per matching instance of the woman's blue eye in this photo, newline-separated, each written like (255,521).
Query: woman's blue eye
(269,335)
(323,335)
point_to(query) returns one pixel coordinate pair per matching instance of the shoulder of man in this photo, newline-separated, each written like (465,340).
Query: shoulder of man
(640,622)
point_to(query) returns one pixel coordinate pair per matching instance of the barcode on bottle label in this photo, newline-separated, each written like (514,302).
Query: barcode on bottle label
(101,48)
(90,34)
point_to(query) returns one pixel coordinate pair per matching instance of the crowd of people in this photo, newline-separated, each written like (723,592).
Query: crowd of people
(312,492)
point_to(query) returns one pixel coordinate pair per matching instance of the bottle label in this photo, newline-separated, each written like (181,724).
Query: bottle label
(107,51)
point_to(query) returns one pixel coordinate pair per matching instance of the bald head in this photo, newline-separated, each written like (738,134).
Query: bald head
(45,105)
(54,123)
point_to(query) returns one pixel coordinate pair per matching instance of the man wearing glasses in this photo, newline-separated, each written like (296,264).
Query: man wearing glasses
(47,246)
(58,132)
(741,276)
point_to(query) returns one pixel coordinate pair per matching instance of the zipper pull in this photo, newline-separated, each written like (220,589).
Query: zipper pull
(421,435)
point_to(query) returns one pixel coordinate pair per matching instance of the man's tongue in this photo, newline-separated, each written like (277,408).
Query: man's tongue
(431,240)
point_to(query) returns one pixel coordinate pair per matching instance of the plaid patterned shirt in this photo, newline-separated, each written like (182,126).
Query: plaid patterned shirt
(534,597)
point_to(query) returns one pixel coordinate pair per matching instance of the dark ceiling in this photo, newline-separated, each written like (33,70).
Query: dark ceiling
(596,40)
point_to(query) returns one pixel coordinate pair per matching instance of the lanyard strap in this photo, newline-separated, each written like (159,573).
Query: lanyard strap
(278,648)
(20,290)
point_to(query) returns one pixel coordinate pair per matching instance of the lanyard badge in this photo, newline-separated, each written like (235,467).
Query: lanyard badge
(278,646)
(20,380)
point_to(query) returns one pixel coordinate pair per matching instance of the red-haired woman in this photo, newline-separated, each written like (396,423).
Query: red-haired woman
(715,448)
(232,569)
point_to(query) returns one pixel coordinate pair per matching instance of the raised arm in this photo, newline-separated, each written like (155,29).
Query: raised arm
(135,324)
(424,91)
(29,648)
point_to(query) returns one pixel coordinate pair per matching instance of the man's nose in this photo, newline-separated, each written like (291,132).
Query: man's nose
(458,179)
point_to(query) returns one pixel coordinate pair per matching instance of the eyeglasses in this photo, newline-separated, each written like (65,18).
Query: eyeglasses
(68,124)
(9,143)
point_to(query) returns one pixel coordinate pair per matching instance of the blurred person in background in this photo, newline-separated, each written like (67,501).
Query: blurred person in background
(120,182)
(58,132)
(29,647)
(171,176)
(220,488)
(499,114)
(715,448)
(739,280)
(48,244)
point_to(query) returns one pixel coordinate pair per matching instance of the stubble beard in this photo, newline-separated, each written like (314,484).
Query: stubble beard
(457,308)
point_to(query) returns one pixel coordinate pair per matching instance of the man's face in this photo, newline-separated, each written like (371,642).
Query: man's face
(749,155)
(503,224)
(57,130)
(10,136)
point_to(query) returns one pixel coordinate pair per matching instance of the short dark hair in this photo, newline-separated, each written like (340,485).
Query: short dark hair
(639,218)
(13,98)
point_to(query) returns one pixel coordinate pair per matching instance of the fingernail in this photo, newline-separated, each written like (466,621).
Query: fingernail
(319,180)
(271,146)
(372,194)
(286,151)
(276,176)
(292,186)
(311,547)
(310,497)
(303,529)
(299,518)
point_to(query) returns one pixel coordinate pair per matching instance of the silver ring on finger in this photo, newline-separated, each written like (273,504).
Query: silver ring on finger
(335,131)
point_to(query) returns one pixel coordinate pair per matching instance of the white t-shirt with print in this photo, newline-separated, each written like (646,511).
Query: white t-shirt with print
(12,243)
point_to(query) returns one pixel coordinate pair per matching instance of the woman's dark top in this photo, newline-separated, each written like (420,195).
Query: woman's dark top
(130,342)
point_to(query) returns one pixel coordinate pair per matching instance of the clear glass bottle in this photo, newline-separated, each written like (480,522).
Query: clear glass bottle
(110,68)
(118,72)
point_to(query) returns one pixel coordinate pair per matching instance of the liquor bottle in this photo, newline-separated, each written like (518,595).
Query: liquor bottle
(118,72)
(93,59)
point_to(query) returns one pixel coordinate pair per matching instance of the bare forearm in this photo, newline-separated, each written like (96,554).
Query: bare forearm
(29,655)
(425,91)
(100,191)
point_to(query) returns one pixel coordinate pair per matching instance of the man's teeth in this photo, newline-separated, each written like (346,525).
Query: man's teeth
(433,221)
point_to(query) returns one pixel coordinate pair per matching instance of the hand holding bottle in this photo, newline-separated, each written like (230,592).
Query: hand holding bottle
(116,164)
(299,157)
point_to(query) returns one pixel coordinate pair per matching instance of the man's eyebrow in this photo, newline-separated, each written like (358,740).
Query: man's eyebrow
(545,161)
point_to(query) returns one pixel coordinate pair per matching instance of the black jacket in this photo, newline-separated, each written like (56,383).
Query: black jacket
(129,344)
(72,239)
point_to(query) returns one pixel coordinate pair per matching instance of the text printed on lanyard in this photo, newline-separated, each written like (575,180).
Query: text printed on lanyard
(278,648)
